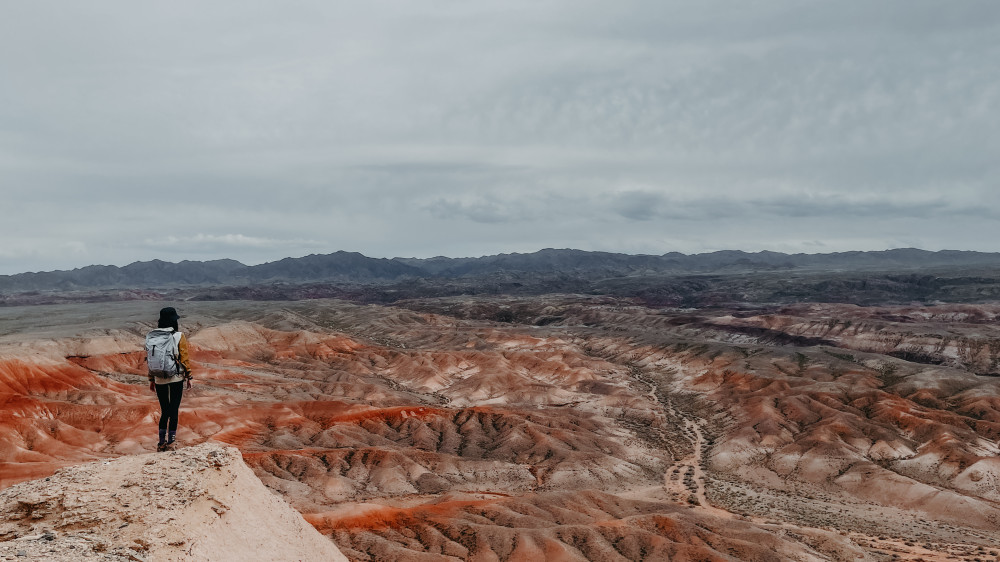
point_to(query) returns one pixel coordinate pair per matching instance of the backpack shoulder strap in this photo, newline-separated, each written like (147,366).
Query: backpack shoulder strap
(177,354)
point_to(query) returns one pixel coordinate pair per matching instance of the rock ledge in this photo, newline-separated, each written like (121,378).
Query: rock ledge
(196,503)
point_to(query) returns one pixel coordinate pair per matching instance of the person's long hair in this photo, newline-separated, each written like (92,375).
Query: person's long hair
(164,323)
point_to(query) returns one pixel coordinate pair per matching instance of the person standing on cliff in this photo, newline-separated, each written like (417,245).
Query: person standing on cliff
(169,369)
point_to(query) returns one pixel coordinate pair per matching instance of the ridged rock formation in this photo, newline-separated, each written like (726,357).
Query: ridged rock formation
(578,428)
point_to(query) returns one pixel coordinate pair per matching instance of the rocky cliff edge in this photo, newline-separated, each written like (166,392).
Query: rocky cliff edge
(196,503)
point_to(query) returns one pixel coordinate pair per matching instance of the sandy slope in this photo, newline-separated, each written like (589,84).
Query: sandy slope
(197,503)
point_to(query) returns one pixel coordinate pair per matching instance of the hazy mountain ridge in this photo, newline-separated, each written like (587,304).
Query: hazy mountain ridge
(353,267)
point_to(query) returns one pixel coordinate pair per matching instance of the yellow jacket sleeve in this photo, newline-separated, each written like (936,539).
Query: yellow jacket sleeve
(182,348)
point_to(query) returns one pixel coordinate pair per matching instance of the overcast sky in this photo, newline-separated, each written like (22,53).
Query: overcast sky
(260,130)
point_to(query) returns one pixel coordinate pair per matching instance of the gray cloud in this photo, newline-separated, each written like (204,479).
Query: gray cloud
(651,205)
(481,210)
(257,130)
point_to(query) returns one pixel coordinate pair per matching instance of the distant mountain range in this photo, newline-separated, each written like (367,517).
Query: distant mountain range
(354,268)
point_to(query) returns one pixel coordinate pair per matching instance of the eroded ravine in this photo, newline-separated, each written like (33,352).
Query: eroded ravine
(616,432)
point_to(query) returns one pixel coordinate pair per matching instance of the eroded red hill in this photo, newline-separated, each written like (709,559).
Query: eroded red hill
(606,432)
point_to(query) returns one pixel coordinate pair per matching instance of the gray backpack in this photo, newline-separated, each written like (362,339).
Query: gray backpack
(162,353)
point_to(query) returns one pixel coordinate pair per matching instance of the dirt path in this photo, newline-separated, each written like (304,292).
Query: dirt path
(685,482)
(685,479)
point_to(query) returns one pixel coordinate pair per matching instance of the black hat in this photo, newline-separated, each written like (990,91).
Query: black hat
(169,315)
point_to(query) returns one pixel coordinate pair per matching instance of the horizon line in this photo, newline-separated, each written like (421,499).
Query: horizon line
(153,260)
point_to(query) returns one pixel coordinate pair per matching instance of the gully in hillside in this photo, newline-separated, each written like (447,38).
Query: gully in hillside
(169,369)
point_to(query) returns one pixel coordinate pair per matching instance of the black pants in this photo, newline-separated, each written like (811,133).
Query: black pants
(169,396)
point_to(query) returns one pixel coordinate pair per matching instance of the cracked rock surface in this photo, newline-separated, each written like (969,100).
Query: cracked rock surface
(196,503)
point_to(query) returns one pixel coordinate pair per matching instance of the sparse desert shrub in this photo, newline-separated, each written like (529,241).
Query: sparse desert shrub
(113,440)
(263,355)
(504,315)
(886,373)
(802,361)
(842,356)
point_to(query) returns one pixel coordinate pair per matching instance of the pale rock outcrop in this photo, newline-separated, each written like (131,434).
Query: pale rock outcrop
(196,503)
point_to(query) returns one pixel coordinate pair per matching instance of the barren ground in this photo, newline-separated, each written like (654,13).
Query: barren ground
(580,428)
